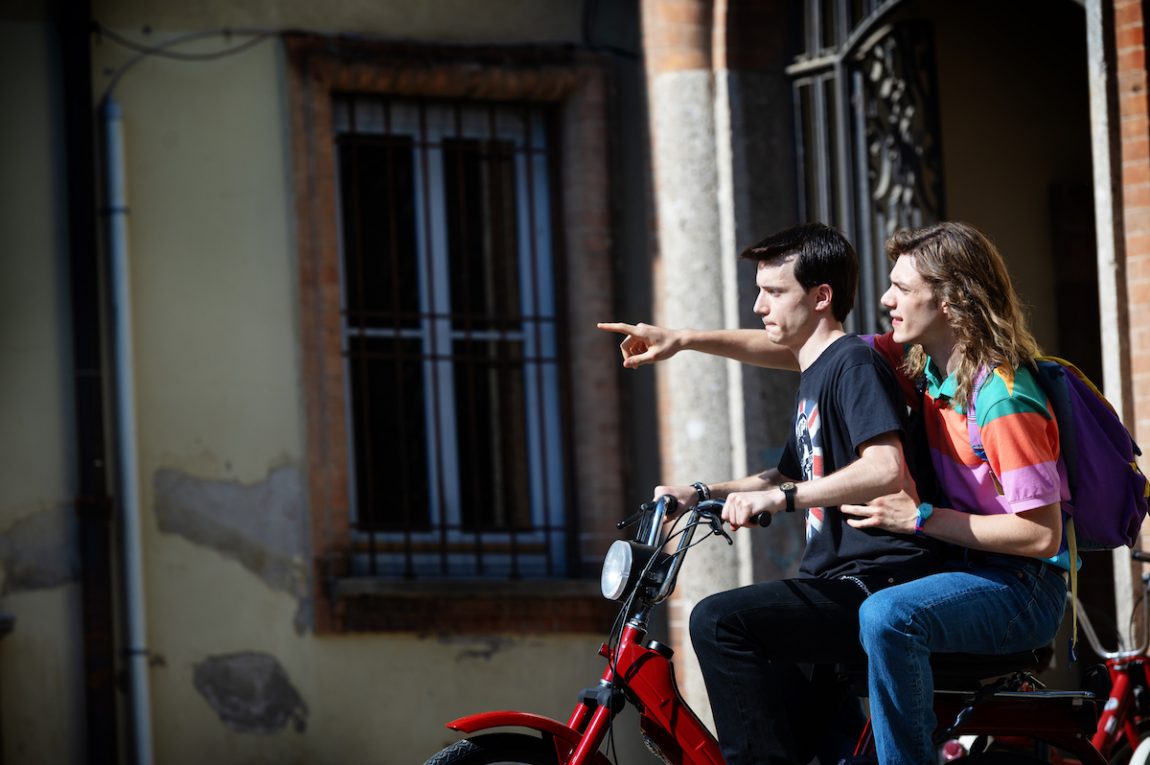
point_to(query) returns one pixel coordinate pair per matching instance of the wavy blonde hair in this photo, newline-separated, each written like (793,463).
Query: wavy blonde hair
(966,273)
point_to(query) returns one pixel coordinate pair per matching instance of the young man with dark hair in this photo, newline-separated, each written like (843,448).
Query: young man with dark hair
(767,650)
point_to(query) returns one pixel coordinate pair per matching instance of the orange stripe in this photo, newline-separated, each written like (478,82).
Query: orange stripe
(1020,440)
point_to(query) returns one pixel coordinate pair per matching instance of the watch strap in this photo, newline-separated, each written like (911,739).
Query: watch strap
(788,490)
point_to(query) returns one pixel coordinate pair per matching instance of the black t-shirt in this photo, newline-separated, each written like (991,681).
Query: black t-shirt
(846,398)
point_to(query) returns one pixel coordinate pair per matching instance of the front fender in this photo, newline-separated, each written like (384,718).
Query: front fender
(488,720)
(507,719)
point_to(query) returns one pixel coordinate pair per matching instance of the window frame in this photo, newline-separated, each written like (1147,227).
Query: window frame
(447,543)
(576,83)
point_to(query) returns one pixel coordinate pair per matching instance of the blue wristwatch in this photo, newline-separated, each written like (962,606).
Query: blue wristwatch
(925,510)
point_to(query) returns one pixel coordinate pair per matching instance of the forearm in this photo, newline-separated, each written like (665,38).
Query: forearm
(748,346)
(877,472)
(768,479)
(1032,533)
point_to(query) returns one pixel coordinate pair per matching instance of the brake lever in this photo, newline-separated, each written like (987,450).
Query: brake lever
(631,519)
(634,518)
(717,527)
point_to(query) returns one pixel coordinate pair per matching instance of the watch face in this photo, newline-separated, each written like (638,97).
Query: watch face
(788,486)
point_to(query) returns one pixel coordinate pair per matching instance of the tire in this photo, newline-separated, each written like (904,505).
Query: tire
(1121,754)
(497,749)
(1141,754)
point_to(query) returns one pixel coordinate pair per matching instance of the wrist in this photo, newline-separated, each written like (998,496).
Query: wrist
(922,515)
(788,489)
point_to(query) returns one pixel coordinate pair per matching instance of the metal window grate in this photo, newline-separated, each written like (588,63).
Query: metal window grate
(451,338)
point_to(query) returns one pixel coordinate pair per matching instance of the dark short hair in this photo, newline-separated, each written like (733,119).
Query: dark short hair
(823,256)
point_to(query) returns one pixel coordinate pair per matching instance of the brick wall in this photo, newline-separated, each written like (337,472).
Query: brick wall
(1134,153)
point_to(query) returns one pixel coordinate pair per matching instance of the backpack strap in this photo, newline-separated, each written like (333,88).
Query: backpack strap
(972,430)
(1072,550)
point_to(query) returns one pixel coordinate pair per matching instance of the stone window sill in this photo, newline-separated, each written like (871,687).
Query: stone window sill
(471,606)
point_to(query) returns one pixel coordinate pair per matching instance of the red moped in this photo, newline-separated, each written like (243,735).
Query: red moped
(641,573)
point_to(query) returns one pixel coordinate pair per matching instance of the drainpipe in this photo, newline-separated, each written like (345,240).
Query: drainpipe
(93,504)
(116,214)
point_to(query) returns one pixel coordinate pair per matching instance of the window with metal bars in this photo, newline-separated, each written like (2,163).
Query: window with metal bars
(450,338)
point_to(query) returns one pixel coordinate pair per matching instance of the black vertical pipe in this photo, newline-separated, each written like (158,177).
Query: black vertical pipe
(93,503)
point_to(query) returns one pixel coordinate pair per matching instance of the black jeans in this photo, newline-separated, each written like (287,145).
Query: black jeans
(768,654)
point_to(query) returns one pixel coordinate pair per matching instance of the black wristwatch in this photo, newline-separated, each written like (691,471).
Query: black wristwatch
(788,489)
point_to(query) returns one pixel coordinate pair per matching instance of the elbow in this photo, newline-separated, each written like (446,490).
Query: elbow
(1045,543)
(889,477)
(886,480)
(1050,545)
(1044,537)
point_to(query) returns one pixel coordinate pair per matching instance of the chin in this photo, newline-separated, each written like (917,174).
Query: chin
(901,336)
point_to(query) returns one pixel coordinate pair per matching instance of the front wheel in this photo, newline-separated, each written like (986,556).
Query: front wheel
(1122,754)
(498,749)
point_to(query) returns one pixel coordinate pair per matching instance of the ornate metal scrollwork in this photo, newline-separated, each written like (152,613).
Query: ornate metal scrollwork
(904,162)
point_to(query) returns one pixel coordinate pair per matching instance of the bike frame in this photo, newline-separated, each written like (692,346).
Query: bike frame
(1117,717)
(640,673)
(1129,672)
(666,720)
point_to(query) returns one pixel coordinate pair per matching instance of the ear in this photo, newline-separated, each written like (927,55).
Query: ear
(824,295)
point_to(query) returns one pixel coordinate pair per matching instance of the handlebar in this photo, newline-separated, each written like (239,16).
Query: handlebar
(653,568)
(1092,636)
(665,507)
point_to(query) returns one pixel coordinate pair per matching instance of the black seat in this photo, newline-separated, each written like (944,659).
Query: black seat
(964,671)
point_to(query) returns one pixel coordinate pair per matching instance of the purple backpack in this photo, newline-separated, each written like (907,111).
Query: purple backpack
(1108,492)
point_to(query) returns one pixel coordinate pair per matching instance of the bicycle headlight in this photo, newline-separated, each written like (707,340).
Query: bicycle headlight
(624,562)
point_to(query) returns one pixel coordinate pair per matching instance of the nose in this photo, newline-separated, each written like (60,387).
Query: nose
(761,307)
(887,298)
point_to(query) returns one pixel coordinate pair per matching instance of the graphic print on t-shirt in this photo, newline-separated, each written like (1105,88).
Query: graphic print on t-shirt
(807,427)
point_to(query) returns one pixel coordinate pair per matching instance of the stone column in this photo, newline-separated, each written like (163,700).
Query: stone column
(694,410)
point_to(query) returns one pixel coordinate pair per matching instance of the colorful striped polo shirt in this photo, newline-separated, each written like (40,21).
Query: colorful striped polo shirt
(1018,431)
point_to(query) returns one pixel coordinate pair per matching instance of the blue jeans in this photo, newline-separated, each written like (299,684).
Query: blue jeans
(1001,604)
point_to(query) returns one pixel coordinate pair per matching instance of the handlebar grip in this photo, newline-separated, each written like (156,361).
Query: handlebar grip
(1140,555)
(764,519)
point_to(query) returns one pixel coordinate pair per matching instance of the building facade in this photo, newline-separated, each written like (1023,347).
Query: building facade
(312,444)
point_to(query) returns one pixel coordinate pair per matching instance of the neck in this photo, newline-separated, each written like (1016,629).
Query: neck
(825,333)
(944,352)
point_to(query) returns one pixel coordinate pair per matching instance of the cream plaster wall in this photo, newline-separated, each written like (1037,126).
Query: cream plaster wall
(217,373)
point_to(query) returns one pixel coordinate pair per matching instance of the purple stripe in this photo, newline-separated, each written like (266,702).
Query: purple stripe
(1034,486)
(972,490)
(969,489)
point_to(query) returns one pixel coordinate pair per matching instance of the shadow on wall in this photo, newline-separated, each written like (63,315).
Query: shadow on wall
(260,525)
(40,551)
(251,692)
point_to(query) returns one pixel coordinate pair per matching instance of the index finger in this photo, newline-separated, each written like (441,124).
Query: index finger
(619,327)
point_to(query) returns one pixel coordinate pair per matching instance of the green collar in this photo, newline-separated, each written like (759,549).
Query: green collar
(938,386)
